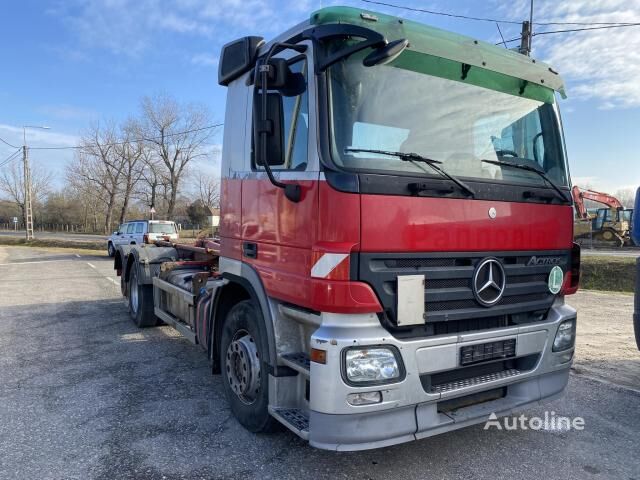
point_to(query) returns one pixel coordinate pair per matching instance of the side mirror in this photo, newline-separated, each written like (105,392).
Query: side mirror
(386,54)
(272,127)
(237,58)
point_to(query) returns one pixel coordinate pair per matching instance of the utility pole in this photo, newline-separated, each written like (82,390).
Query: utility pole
(527,34)
(28,206)
(525,38)
(28,203)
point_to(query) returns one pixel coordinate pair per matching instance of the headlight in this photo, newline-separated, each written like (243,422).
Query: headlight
(372,365)
(565,337)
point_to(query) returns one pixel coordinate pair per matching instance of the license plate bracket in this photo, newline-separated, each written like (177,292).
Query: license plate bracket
(486,352)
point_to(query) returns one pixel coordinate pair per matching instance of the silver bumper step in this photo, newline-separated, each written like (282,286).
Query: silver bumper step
(294,419)
(474,381)
(298,361)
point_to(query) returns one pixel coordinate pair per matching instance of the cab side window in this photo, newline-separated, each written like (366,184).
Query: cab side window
(130,227)
(296,124)
(139,227)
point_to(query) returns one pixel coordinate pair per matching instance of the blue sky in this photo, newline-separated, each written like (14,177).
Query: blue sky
(67,63)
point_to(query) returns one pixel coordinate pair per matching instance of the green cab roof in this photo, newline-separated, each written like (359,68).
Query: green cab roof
(448,45)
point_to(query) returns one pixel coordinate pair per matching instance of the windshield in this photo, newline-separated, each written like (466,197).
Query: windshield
(162,228)
(457,122)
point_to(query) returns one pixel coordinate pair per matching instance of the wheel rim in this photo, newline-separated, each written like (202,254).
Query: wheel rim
(133,292)
(242,365)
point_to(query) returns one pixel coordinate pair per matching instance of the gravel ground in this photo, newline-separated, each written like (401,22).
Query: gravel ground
(85,395)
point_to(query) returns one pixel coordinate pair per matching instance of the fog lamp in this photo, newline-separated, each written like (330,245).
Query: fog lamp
(565,337)
(365,398)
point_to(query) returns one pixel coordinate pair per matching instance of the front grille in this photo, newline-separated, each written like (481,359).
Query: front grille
(449,296)
(474,375)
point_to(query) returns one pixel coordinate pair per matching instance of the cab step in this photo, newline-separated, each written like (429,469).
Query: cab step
(295,419)
(298,361)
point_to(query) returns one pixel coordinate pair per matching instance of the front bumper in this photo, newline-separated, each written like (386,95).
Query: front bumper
(411,409)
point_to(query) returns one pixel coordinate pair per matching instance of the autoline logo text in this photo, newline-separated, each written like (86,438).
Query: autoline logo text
(550,422)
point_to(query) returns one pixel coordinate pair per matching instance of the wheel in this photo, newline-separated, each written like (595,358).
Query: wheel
(242,349)
(140,301)
(111,251)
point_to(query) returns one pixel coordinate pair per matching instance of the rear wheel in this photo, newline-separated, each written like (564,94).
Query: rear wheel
(140,301)
(242,349)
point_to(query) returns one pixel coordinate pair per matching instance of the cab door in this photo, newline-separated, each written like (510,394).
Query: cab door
(277,233)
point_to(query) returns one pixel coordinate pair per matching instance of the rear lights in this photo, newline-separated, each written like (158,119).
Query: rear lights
(572,277)
(145,238)
(565,336)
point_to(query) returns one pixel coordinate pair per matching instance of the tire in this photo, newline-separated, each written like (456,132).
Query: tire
(242,344)
(140,301)
(111,251)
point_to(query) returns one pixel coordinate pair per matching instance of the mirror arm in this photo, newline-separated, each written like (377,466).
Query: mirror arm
(292,191)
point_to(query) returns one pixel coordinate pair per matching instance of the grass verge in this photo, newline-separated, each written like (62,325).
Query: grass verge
(47,243)
(614,274)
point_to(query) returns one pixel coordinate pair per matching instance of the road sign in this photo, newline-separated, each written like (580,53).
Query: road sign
(15,219)
(153,210)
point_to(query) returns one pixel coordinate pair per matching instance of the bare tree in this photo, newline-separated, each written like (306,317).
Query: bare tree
(153,180)
(130,152)
(627,196)
(208,189)
(97,164)
(177,134)
(12,184)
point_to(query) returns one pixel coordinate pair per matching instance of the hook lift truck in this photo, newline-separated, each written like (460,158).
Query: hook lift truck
(396,237)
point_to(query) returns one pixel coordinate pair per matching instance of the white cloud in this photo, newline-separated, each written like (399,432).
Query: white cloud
(128,27)
(599,65)
(205,60)
(67,112)
(37,137)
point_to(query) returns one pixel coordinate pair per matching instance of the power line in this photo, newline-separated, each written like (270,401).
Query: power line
(484,19)
(80,147)
(11,157)
(589,28)
(501,36)
(7,143)
(535,34)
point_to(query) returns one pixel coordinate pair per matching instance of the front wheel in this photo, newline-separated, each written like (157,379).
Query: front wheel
(140,301)
(111,251)
(242,350)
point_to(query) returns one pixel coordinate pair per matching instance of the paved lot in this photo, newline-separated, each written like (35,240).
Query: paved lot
(84,395)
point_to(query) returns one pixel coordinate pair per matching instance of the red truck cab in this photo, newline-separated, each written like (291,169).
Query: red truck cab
(396,237)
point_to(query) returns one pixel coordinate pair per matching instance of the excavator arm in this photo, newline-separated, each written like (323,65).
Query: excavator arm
(579,196)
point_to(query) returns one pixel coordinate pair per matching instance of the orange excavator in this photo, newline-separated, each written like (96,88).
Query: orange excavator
(610,224)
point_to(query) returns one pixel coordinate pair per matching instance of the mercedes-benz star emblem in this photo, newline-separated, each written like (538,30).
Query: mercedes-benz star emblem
(492,213)
(489,281)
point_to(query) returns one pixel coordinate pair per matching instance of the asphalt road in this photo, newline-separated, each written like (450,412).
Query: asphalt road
(85,395)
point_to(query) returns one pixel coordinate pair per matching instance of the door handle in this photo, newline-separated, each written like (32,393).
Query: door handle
(250,249)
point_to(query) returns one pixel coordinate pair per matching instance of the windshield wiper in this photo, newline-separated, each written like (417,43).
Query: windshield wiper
(529,168)
(414,157)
